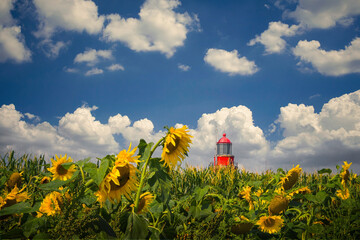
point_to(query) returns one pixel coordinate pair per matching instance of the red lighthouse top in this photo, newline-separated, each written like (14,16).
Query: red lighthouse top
(224,139)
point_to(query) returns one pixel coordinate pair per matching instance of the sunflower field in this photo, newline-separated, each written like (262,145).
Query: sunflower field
(135,195)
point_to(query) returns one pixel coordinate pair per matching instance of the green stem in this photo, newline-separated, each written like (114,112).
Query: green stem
(143,174)
(82,174)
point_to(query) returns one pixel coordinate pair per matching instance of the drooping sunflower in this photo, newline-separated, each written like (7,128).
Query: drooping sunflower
(45,179)
(303,190)
(242,225)
(144,202)
(345,172)
(122,180)
(343,193)
(291,178)
(51,205)
(270,224)
(15,196)
(278,204)
(14,180)
(176,145)
(58,171)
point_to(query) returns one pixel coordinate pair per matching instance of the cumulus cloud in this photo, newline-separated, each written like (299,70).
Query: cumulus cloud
(230,62)
(324,13)
(78,134)
(94,71)
(330,63)
(92,56)
(70,15)
(12,43)
(116,67)
(313,140)
(249,144)
(158,28)
(52,49)
(272,37)
(183,67)
(317,140)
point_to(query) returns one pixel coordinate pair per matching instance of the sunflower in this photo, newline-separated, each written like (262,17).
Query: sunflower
(13,197)
(270,224)
(51,205)
(242,225)
(14,180)
(343,193)
(303,190)
(122,180)
(345,173)
(245,193)
(144,202)
(45,179)
(59,171)
(278,204)
(291,178)
(176,146)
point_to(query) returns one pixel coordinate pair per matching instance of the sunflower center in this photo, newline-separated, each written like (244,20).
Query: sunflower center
(269,222)
(61,170)
(173,147)
(123,178)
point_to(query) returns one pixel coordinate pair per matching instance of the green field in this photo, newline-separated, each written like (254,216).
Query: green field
(133,195)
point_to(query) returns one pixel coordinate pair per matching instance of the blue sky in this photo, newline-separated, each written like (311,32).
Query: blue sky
(280,77)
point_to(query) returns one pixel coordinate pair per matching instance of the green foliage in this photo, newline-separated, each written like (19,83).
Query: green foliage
(189,203)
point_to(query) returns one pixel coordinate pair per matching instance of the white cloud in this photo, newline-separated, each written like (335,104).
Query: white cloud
(313,140)
(94,71)
(70,15)
(325,13)
(317,140)
(92,56)
(272,37)
(12,43)
(71,70)
(158,28)
(249,144)
(183,67)
(330,63)
(52,49)
(230,62)
(116,67)
(5,16)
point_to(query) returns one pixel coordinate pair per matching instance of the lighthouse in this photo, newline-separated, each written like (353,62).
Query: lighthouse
(223,155)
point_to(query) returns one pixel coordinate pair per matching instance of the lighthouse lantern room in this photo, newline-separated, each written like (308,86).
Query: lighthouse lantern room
(223,155)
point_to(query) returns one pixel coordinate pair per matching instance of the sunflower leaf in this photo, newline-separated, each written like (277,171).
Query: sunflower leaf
(325,170)
(22,207)
(137,227)
(101,172)
(67,165)
(53,185)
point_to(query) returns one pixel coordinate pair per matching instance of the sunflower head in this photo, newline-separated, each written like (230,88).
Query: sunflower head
(144,202)
(13,197)
(51,205)
(343,193)
(45,179)
(176,146)
(270,224)
(303,190)
(242,226)
(291,178)
(246,193)
(278,204)
(345,174)
(122,180)
(14,180)
(58,171)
